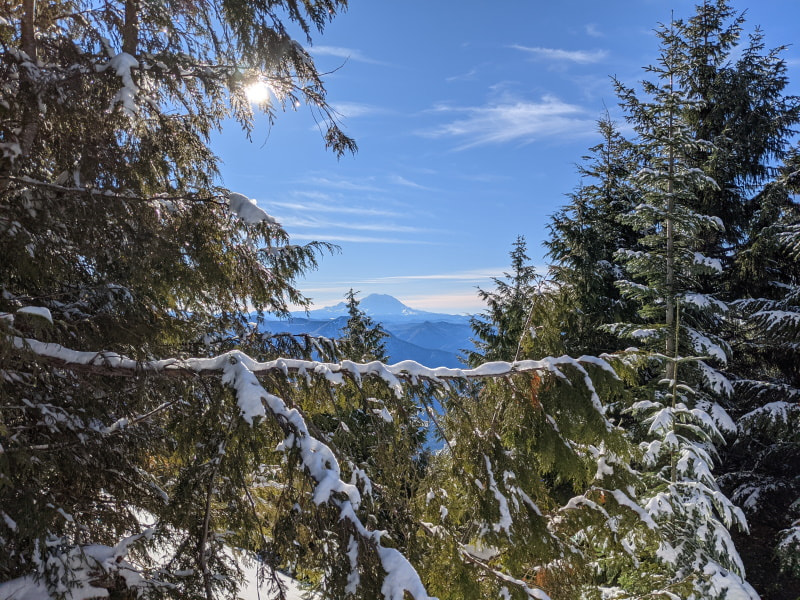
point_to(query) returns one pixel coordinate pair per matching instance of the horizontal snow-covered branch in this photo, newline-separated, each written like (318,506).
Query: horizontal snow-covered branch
(112,363)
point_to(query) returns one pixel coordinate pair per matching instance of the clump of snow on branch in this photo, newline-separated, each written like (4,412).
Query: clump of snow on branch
(247,210)
(122,64)
(76,572)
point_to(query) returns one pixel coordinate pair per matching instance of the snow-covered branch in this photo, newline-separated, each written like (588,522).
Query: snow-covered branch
(112,363)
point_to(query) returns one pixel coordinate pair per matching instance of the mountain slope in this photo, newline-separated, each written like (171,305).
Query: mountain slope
(383,309)
(432,339)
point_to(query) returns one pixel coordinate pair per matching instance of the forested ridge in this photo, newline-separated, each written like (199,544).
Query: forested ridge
(625,426)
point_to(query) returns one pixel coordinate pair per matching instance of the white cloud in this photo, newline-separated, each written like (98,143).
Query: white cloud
(582,57)
(457,302)
(400,180)
(355,109)
(468,76)
(473,275)
(521,121)
(346,53)
(310,222)
(361,239)
(344,184)
(593,31)
(333,206)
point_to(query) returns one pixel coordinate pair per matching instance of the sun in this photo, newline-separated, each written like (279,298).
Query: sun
(258,92)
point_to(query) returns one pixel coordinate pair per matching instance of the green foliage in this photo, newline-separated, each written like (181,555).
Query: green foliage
(584,238)
(529,483)
(361,339)
(111,208)
(500,329)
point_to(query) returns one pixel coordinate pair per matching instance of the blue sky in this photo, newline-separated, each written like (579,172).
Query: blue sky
(470,117)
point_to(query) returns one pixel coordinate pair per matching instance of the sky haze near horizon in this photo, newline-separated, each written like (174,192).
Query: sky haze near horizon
(470,119)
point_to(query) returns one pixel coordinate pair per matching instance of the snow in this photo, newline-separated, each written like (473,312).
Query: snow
(333,372)
(777,318)
(247,210)
(715,380)
(711,263)
(728,585)
(773,412)
(10,523)
(353,578)
(400,576)
(624,500)
(505,522)
(294,589)
(122,64)
(704,301)
(384,414)
(39,311)
(643,333)
(481,551)
(255,403)
(83,565)
(704,345)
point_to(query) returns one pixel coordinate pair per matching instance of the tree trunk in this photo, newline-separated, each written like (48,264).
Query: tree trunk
(670,278)
(130,30)
(30,117)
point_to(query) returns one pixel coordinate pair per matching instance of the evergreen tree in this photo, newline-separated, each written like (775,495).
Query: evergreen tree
(740,106)
(561,516)
(750,118)
(531,495)
(500,329)
(124,243)
(679,405)
(762,469)
(742,109)
(361,339)
(127,335)
(584,237)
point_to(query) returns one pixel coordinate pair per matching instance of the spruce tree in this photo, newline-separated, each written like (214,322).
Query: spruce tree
(739,105)
(679,407)
(584,237)
(124,243)
(500,329)
(762,469)
(750,118)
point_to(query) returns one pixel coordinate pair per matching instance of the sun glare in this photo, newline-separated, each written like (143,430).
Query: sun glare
(258,92)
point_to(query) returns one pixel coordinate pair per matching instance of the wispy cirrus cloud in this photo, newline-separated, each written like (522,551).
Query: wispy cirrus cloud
(583,57)
(466,302)
(356,109)
(344,184)
(468,76)
(312,222)
(593,31)
(520,121)
(366,239)
(476,275)
(333,206)
(400,180)
(345,53)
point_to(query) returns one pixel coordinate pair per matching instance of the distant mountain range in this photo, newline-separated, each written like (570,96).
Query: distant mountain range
(383,308)
(432,339)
